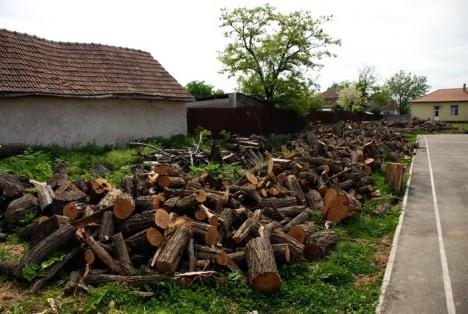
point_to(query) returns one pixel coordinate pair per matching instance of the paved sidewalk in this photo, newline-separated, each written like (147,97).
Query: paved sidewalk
(423,253)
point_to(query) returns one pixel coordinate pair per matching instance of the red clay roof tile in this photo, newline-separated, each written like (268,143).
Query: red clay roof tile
(443,95)
(32,65)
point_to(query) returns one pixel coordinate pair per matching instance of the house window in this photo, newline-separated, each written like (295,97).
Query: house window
(453,110)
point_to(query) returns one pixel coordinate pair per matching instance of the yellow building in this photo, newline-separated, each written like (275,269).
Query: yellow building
(442,105)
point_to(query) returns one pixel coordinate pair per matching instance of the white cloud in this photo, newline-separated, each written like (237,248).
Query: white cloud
(424,37)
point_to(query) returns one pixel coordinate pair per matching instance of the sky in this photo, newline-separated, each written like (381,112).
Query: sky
(425,37)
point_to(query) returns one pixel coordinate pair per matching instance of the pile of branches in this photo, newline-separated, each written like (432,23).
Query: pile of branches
(165,222)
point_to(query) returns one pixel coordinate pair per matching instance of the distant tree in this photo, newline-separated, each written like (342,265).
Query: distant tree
(366,81)
(379,99)
(405,87)
(271,53)
(200,89)
(341,85)
(350,98)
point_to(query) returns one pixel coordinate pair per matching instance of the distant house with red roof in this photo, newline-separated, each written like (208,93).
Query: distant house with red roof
(74,93)
(442,105)
(330,96)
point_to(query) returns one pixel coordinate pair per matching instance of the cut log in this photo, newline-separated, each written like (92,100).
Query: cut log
(291,211)
(243,231)
(192,255)
(19,208)
(212,254)
(89,257)
(109,199)
(162,219)
(293,185)
(204,232)
(105,257)
(123,206)
(100,186)
(227,217)
(302,231)
(107,226)
(299,219)
(10,186)
(122,252)
(394,175)
(212,218)
(141,280)
(278,202)
(190,201)
(316,245)
(171,182)
(72,283)
(53,270)
(314,199)
(45,194)
(339,205)
(168,254)
(138,222)
(45,248)
(47,227)
(280,237)
(127,185)
(65,193)
(73,210)
(261,264)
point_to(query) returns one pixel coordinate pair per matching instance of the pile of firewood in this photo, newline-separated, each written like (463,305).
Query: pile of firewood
(161,220)
(425,126)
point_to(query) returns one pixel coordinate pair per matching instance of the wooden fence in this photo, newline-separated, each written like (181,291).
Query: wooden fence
(261,120)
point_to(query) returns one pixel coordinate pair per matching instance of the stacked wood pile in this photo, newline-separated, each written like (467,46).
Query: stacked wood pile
(425,126)
(163,221)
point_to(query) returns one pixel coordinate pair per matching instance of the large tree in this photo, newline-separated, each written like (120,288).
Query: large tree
(201,89)
(366,81)
(405,87)
(351,99)
(272,54)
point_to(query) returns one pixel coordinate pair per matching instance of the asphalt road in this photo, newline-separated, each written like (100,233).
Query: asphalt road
(430,269)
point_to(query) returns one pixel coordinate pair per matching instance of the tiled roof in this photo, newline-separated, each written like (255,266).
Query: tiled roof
(35,66)
(330,93)
(442,95)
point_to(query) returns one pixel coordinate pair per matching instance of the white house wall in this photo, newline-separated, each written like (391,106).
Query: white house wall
(72,122)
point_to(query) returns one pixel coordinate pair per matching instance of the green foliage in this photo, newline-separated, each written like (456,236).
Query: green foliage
(228,171)
(4,254)
(32,271)
(33,163)
(405,87)
(27,218)
(200,89)
(350,98)
(272,54)
(341,85)
(366,81)
(380,98)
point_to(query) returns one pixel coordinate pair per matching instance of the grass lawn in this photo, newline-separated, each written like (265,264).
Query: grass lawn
(462,126)
(347,280)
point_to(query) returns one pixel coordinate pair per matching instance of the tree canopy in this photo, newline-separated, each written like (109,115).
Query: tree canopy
(272,54)
(366,81)
(405,87)
(351,99)
(201,89)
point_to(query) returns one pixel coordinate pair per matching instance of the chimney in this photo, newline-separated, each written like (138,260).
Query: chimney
(464,87)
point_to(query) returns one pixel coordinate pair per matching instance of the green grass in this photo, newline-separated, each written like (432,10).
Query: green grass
(347,280)
(462,126)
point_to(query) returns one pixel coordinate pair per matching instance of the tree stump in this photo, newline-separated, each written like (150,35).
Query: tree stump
(394,175)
